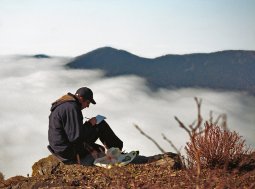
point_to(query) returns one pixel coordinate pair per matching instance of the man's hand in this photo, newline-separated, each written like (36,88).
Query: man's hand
(93,121)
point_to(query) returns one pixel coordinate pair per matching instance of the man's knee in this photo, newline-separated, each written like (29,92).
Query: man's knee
(103,128)
(103,123)
(120,145)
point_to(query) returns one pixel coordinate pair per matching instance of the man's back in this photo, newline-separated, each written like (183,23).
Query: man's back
(65,122)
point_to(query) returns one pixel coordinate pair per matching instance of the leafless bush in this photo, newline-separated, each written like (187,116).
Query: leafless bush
(194,130)
(211,145)
(217,147)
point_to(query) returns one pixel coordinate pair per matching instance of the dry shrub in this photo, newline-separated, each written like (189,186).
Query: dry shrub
(216,147)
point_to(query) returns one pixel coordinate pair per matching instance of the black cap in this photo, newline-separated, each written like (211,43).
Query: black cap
(86,93)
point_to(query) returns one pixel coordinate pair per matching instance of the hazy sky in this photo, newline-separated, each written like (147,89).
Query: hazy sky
(147,28)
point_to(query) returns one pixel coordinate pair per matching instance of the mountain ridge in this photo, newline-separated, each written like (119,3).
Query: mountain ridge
(228,70)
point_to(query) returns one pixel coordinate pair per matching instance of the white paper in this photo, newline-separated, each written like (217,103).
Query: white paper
(100,118)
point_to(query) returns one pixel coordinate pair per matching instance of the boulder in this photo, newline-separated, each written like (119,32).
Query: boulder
(170,159)
(50,164)
(46,166)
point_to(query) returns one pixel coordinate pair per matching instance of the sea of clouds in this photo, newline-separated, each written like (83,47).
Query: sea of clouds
(28,86)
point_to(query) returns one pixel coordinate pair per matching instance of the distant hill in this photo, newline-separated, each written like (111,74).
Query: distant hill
(41,56)
(228,70)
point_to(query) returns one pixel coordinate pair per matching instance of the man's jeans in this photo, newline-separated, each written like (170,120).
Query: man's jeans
(104,133)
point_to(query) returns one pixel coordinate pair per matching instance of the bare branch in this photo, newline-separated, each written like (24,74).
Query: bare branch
(223,117)
(224,121)
(147,136)
(193,133)
(217,119)
(211,116)
(170,142)
(182,125)
(192,124)
(199,117)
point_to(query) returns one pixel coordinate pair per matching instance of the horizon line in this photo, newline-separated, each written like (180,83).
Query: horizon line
(120,49)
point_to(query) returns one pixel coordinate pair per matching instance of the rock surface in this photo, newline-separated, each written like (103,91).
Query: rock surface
(46,166)
(161,173)
(49,165)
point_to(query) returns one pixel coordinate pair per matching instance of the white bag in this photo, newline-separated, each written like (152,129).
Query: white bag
(114,157)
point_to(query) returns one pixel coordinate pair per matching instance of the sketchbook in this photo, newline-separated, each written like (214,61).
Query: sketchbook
(100,118)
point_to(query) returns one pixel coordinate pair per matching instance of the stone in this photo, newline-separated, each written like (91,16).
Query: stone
(170,159)
(46,166)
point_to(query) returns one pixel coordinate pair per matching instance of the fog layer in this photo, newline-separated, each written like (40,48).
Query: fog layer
(29,86)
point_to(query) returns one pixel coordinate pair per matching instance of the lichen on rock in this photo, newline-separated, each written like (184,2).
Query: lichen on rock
(46,166)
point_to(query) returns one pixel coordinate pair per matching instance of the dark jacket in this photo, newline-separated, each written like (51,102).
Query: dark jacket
(65,127)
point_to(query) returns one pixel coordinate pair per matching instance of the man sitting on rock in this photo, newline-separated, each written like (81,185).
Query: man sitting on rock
(73,141)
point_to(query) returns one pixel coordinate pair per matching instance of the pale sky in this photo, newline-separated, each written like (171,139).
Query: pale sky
(148,28)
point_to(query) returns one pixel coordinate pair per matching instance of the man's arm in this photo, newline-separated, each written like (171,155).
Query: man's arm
(73,124)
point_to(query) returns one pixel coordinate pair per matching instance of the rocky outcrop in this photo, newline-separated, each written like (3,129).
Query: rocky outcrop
(46,166)
(163,171)
(49,165)
(170,159)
